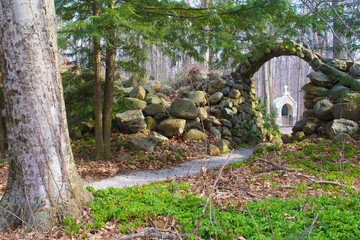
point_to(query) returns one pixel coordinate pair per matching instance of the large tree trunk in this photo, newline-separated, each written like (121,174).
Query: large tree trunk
(43,184)
(109,90)
(99,141)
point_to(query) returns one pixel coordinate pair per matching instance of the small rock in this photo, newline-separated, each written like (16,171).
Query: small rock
(194,134)
(223,146)
(138,92)
(299,136)
(214,150)
(216,98)
(142,143)
(215,133)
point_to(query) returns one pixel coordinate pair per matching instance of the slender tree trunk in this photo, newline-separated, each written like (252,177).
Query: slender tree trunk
(338,49)
(109,90)
(43,184)
(270,85)
(299,113)
(2,135)
(99,141)
(266,85)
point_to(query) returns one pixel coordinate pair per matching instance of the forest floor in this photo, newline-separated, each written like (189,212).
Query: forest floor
(305,169)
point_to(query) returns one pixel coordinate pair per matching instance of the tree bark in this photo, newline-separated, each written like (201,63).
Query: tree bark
(109,89)
(99,141)
(43,184)
(266,86)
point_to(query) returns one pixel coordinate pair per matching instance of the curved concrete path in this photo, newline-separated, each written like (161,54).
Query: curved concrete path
(184,169)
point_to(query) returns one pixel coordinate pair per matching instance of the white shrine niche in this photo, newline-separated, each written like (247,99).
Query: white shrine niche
(286,109)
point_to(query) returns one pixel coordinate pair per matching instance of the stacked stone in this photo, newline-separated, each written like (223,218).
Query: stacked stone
(328,100)
(237,110)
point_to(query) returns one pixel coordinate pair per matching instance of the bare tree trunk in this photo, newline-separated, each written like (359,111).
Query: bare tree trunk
(99,141)
(109,90)
(270,84)
(338,50)
(266,86)
(299,85)
(43,184)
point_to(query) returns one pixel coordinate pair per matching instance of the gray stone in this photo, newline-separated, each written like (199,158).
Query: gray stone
(131,121)
(203,113)
(225,90)
(336,63)
(223,146)
(172,127)
(184,108)
(135,80)
(134,104)
(192,124)
(299,125)
(226,103)
(346,110)
(225,132)
(341,126)
(299,136)
(194,134)
(138,92)
(342,138)
(320,79)
(142,143)
(286,138)
(167,90)
(226,123)
(158,137)
(215,133)
(159,117)
(313,89)
(153,109)
(198,97)
(214,150)
(322,110)
(355,71)
(234,93)
(215,98)
(216,86)
(227,113)
(152,99)
(309,128)
(151,123)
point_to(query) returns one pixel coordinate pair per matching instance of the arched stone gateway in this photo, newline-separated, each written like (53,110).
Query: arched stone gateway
(333,82)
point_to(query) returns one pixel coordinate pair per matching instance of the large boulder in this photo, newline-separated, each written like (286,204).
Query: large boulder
(341,126)
(320,79)
(198,97)
(172,127)
(322,110)
(194,134)
(346,110)
(153,109)
(152,99)
(132,121)
(143,143)
(138,92)
(184,108)
(134,104)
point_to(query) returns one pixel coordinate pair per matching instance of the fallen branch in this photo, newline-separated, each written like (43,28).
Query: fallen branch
(320,182)
(278,168)
(309,228)
(152,233)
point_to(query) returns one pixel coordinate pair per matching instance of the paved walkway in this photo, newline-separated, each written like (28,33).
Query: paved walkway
(286,130)
(184,169)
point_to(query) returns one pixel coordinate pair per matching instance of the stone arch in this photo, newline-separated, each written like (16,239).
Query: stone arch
(328,73)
